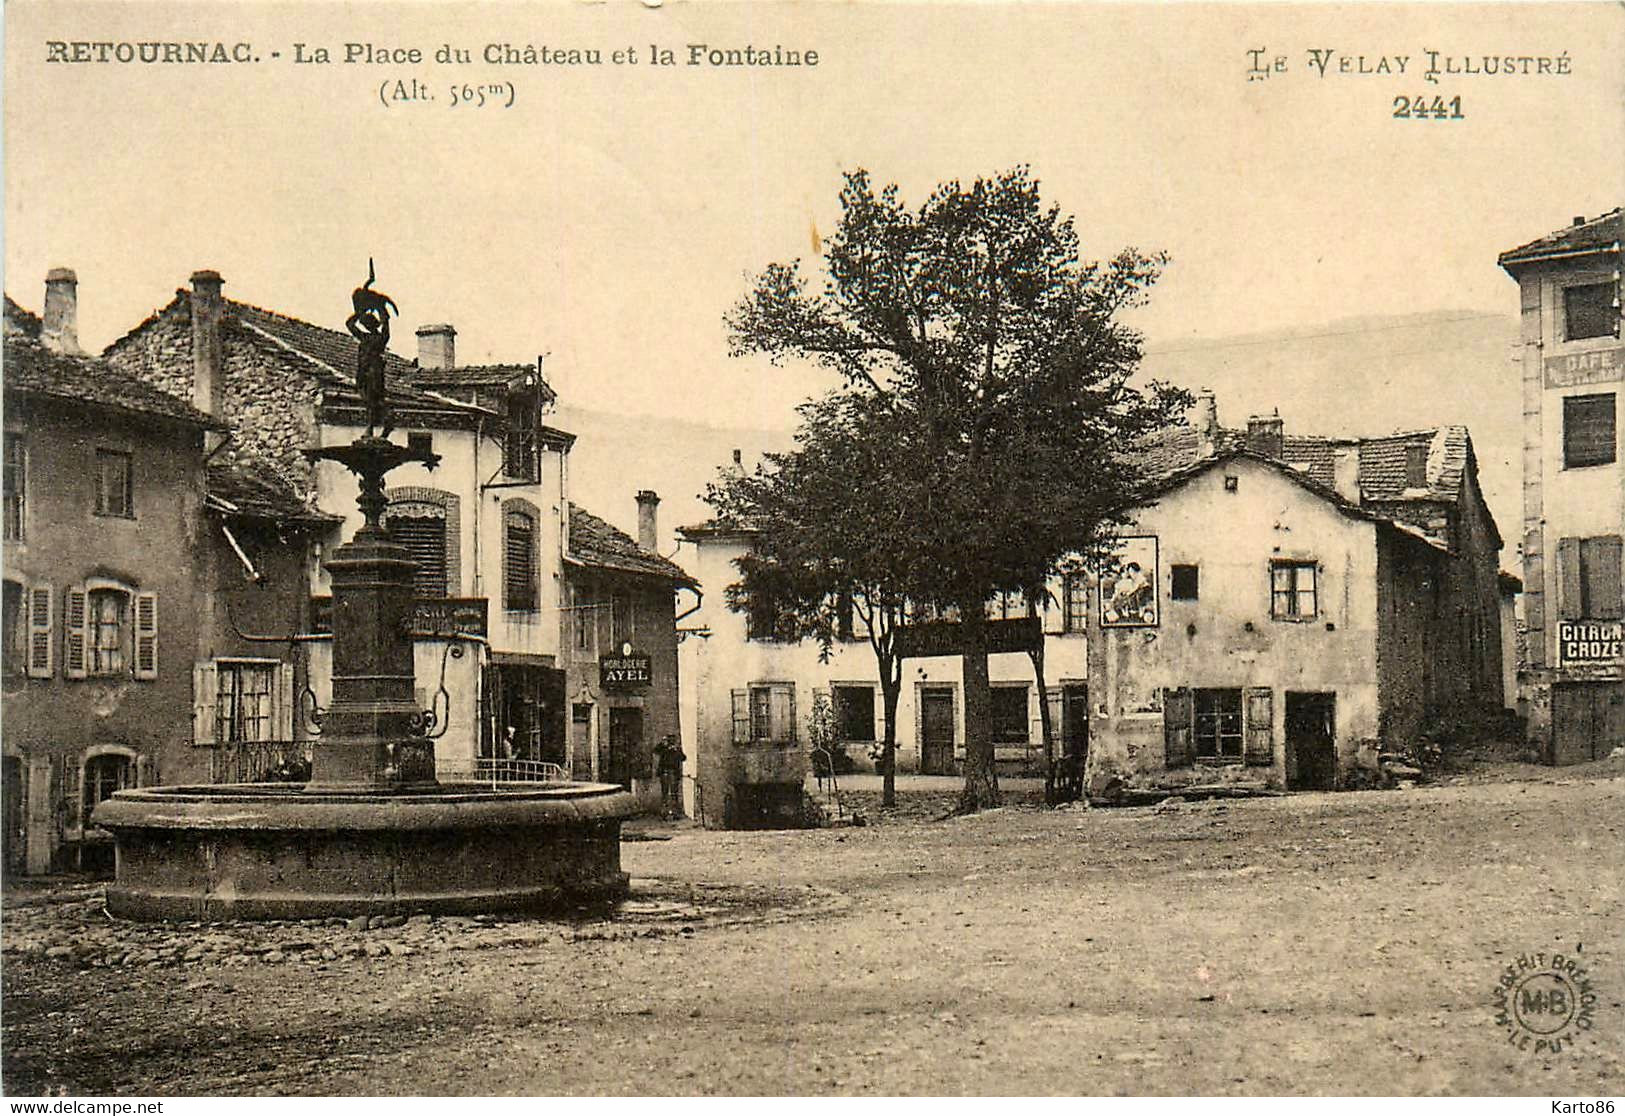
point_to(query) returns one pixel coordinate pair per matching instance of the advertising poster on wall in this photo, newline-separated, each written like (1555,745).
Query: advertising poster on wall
(1128,597)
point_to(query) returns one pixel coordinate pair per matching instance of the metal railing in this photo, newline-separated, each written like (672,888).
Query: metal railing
(260,761)
(487,769)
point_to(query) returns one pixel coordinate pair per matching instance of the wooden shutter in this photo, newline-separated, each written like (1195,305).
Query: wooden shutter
(1259,748)
(282,702)
(783,713)
(1600,563)
(75,621)
(1568,579)
(146,636)
(741,712)
(41,647)
(203,702)
(1179,748)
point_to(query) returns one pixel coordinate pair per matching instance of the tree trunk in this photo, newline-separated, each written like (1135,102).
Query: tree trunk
(889,690)
(1036,654)
(981,780)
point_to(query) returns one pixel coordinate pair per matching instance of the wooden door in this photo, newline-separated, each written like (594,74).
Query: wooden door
(1588,720)
(581,742)
(1310,741)
(937,731)
(625,746)
(11,800)
(1075,720)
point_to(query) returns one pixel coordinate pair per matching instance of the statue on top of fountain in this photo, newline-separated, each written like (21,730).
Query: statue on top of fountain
(369,325)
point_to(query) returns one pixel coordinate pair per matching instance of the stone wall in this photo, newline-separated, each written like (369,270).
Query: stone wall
(269,399)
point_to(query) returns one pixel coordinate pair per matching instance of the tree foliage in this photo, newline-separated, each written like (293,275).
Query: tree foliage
(979,443)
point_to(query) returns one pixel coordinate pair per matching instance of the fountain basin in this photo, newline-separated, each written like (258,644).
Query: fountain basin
(266,851)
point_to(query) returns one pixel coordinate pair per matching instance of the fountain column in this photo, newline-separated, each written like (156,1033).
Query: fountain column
(372,734)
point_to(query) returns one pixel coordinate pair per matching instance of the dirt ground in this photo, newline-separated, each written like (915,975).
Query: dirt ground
(1316,943)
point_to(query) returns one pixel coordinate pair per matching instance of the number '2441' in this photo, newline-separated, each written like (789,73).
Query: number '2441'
(1420,108)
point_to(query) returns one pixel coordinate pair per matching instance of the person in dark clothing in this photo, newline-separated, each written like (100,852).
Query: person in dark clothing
(669,759)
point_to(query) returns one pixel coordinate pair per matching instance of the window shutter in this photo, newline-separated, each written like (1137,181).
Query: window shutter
(1568,579)
(783,699)
(203,702)
(1259,749)
(1054,606)
(1053,693)
(146,636)
(282,701)
(741,704)
(40,647)
(75,620)
(1178,746)
(1601,562)
(143,772)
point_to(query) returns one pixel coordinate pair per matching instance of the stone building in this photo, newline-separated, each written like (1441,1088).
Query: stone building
(751,693)
(1315,601)
(1572,364)
(104,528)
(490,527)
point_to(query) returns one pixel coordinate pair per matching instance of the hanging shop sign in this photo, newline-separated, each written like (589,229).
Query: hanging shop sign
(625,670)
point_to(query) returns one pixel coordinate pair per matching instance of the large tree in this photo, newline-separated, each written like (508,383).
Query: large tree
(824,564)
(996,357)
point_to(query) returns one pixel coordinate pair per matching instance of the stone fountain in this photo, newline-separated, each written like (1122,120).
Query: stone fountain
(373,832)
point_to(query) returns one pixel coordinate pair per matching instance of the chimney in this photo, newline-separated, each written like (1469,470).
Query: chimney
(437,346)
(208,357)
(1346,472)
(60,332)
(1265,434)
(1206,421)
(1578,221)
(739,459)
(648,521)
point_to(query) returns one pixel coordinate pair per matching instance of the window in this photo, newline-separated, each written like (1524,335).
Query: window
(243,697)
(1588,572)
(108,617)
(586,613)
(1292,590)
(1589,311)
(15,648)
(762,616)
(1588,430)
(623,621)
(1218,724)
(421,528)
(519,588)
(108,631)
(113,484)
(854,712)
(1074,603)
(1010,714)
(105,774)
(16,485)
(765,713)
(1416,466)
(519,456)
(1183,584)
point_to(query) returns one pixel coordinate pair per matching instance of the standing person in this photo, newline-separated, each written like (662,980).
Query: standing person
(669,759)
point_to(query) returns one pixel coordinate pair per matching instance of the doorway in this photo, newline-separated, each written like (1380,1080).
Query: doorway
(1311,741)
(625,746)
(14,840)
(937,730)
(581,742)
(1588,720)
(1075,721)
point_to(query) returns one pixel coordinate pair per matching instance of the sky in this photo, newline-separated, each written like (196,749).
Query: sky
(613,213)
